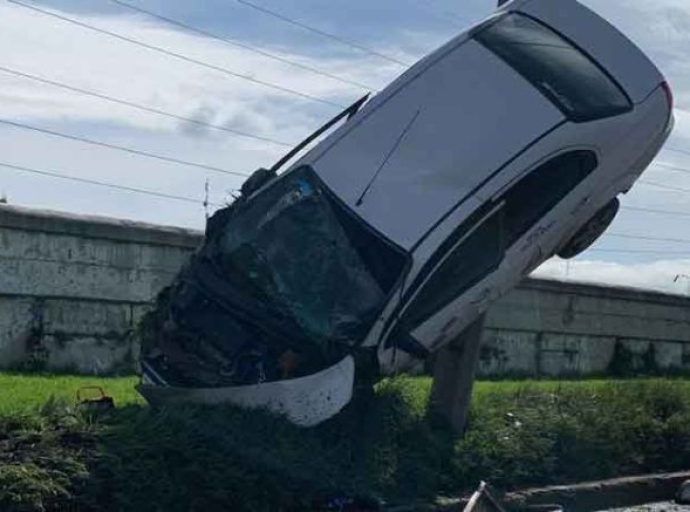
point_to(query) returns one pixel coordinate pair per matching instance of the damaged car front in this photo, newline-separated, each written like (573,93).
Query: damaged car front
(286,285)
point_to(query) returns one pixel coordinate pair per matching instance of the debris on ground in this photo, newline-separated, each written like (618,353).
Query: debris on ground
(683,494)
(98,401)
(483,501)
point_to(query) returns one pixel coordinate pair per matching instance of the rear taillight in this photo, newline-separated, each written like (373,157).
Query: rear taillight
(669,94)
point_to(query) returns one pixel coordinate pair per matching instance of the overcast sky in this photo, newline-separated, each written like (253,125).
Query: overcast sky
(399,30)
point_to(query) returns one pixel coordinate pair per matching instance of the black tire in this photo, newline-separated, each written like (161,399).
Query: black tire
(590,231)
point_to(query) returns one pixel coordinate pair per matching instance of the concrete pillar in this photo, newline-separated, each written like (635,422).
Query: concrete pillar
(454,370)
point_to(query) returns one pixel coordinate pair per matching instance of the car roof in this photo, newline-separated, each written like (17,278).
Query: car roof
(426,142)
(433,137)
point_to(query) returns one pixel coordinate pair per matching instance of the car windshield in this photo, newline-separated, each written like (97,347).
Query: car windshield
(297,248)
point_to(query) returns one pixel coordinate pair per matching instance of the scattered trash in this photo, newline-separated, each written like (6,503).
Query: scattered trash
(100,402)
(483,501)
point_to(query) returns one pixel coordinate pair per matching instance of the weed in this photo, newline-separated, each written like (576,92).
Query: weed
(382,446)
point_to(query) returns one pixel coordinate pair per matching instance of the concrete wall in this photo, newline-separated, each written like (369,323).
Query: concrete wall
(72,289)
(550,328)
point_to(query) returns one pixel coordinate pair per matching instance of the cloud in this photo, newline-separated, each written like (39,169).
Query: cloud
(44,46)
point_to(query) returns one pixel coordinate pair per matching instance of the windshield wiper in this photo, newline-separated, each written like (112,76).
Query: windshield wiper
(348,112)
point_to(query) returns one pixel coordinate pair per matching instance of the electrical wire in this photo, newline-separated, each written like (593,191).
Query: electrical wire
(115,186)
(176,55)
(634,251)
(124,149)
(663,186)
(656,211)
(141,107)
(650,238)
(672,167)
(245,46)
(448,15)
(322,33)
(677,150)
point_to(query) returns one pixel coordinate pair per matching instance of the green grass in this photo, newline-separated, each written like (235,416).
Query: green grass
(383,446)
(22,393)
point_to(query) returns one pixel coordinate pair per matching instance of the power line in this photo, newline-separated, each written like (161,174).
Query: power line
(672,167)
(239,44)
(119,148)
(664,187)
(448,15)
(655,210)
(143,108)
(634,251)
(676,150)
(175,55)
(651,238)
(322,33)
(53,174)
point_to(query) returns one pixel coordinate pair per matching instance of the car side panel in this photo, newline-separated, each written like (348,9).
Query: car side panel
(618,142)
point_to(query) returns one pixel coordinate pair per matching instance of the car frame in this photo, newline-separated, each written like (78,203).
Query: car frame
(507,145)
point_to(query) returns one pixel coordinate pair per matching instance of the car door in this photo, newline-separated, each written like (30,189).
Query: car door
(493,254)
(453,291)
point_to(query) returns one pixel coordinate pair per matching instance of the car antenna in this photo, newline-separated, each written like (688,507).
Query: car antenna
(388,157)
(348,112)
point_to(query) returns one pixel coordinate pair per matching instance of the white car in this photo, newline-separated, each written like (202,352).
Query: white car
(505,146)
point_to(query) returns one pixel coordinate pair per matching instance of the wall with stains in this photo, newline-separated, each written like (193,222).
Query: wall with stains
(552,328)
(72,289)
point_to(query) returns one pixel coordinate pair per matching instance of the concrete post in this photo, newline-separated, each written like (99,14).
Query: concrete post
(454,370)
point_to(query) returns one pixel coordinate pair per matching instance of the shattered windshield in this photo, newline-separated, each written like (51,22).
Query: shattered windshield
(296,247)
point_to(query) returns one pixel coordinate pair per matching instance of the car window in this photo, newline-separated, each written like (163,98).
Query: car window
(472,260)
(578,86)
(541,189)
(522,205)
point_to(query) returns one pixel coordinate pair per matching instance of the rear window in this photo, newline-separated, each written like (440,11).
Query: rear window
(564,74)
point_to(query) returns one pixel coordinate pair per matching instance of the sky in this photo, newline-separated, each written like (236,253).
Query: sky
(394,32)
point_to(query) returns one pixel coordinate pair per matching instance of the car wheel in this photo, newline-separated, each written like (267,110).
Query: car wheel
(590,232)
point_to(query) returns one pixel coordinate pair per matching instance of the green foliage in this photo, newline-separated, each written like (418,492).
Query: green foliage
(199,458)
(570,433)
(381,446)
(23,393)
(42,467)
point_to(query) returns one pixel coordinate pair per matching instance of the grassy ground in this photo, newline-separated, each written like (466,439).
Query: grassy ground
(383,446)
(23,393)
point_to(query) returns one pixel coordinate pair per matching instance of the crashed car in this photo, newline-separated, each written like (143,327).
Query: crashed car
(378,246)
